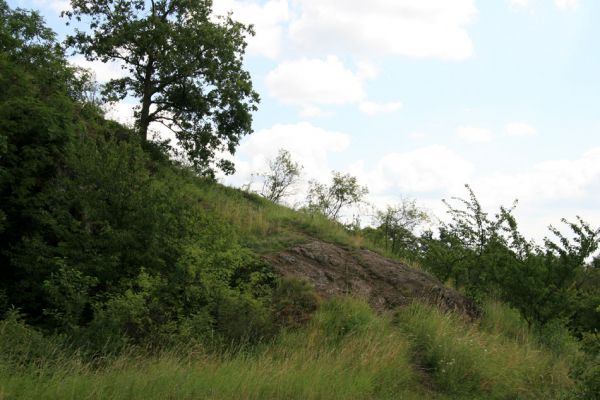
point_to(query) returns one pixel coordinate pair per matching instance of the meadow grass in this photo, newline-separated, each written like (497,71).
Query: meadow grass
(264,226)
(345,352)
(492,362)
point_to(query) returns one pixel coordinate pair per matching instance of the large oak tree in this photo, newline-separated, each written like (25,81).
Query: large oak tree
(185,67)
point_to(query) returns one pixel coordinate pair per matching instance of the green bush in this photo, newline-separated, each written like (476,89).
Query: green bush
(294,302)
(241,319)
(557,338)
(587,372)
(22,346)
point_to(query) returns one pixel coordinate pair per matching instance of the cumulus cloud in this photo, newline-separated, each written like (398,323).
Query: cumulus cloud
(417,135)
(366,70)
(427,169)
(103,71)
(520,129)
(372,108)
(474,134)
(549,180)
(310,82)
(267,19)
(519,3)
(312,111)
(308,144)
(566,4)
(421,29)
(121,112)
(314,81)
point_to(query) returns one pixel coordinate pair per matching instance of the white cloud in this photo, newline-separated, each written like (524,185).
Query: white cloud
(314,81)
(519,3)
(308,144)
(312,111)
(371,108)
(417,135)
(566,4)
(426,169)
(421,29)
(267,19)
(473,134)
(549,180)
(366,70)
(520,129)
(121,112)
(102,71)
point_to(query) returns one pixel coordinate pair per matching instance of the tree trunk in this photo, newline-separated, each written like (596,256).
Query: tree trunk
(144,121)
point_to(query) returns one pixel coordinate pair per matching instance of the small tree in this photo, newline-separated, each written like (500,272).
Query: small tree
(185,67)
(398,223)
(282,175)
(329,200)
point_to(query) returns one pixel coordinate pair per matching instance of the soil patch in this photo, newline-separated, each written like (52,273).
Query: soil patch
(337,270)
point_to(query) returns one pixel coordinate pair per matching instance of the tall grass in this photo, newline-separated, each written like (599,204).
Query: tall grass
(467,361)
(264,226)
(348,355)
(345,352)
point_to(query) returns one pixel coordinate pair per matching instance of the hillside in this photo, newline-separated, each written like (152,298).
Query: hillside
(129,272)
(346,350)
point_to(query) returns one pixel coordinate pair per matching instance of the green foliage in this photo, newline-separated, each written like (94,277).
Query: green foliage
(24,348)
(294,302)
(68,294)
(489,257)
(467,362)
(396,227)
(39,120)
(329,200)
(282,175)
(108,248)
(372,358)
(500,319)
(185,68)
(103,239)
(588,372)
(345,317)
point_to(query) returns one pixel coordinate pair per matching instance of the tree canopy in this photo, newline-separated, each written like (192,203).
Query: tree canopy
(185,67)
(330,199)
(282,175)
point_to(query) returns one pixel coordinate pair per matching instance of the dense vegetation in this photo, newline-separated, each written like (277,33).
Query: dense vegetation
(346,351)
(127,275)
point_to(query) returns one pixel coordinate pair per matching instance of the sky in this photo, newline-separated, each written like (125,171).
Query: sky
(417,98)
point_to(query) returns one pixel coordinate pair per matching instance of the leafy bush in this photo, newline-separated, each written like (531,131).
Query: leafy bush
(294,302)
(22,346)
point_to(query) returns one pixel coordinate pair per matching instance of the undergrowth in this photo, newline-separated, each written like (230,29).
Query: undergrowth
(346,351)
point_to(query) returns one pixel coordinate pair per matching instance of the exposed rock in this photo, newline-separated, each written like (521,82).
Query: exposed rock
(335,270)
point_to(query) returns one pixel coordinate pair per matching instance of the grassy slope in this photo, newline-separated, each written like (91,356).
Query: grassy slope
(346,352)
(266,227)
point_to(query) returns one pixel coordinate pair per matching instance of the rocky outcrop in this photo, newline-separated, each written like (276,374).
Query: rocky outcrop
(336,270)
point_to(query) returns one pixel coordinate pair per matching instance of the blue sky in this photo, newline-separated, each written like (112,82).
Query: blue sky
(418,97)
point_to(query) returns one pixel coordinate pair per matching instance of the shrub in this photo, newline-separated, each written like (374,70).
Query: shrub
(241,319)
(294,302)
(22,346)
